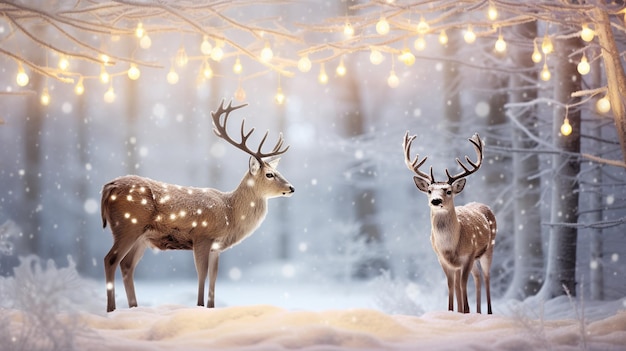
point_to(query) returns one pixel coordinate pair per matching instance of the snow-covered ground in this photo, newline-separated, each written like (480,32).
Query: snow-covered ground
(54,309)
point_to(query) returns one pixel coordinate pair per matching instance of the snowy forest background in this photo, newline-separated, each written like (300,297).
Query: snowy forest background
(356,214)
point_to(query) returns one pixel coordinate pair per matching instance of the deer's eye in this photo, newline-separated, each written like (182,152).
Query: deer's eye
(429,191)
(269,175)
(449,192)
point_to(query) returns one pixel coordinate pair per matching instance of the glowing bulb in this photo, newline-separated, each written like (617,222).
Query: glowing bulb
(145,42)
(393,81)
(583,66)
(172,76)
(304,64)
(407,57)
(181,57)
(500,45)
(139,31)
(322,77)
(22,78)
(133,72)
(109,96)
(492,13)
(217,54)
(536,57)
(566,128)
(603,105)
(45,97)
(64,63)
(237,67)
(469,35)
(205,46)
(382,26)
(422,27)
(341,69)
(443,38)
(106,60)
(545,73)
(266,53)
(104,75)
(587,34)
(546,45)
(79,88)
(376,57)
(207,72)
(280,97)
(240,94)
(420,43)
(348,30)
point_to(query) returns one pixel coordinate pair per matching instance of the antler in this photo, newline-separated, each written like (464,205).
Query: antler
(415,164)
(478,147)
(220,130)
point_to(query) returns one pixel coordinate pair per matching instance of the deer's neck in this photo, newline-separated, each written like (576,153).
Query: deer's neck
(445,227)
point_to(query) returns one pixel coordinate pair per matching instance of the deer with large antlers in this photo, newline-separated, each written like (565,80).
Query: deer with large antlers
(146,213)
(461,236)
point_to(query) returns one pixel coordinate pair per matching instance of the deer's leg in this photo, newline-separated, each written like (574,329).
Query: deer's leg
(458,289)
(121,245)
(465,270)
(201,251)
(450,277)
(127,265)
(214,257)
(476,276)
(485,264)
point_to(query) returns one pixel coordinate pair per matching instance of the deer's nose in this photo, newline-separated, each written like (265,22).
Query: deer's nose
(436,202)
(292,189)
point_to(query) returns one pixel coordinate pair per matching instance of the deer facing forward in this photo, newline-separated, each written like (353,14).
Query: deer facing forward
(461,236)
(146,213)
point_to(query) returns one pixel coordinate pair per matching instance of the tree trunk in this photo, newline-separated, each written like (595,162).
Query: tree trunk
(561,267)
(528,253)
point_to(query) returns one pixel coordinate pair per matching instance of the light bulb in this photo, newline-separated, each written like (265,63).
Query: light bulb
(22,78)
(266,53)
(133,72)
(79,88)
(139,31)
(322,77)
(469,35)
(587,34)
(546,45)
(566,128)
(172,76)
(205,46)
(104,75)
(420,43)
(603,105)
(145,42)
(492,13)
(500,45)
(181,57)
(443,38)
(109,96)
(45,97)
(280,97)
(217,53)
(583,66)
(536,57)
(106,60)
(240,94)
(422,27)
(393,81)
(341,69)
(545,73)
(348,30)
(304,64)
(237,67)
(376,57)
(382,26)
(407,57)
(207,72)
(64,63)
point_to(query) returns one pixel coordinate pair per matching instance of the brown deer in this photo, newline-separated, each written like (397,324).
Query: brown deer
(146,213)
(461,236)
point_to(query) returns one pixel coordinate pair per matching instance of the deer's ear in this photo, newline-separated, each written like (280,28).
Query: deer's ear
(421,184)
(458,185)
(254,166)
(274,163)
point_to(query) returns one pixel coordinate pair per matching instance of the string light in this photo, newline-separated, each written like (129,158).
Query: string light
(133,72)
(500,45)
(22,78)
(240,94)
(145,42)
(348,30)
(109,95)
(217,53)
(382,26)
(181,57)
(322,77)
(492,12)
(106,60)
(64,63)
(545,73)
(469,36)
(546,45)
(536,57)
(205,46)
(172,76)
(583,66)
(603,105)
(393,81)
(422,26)
(420,43)
(237,67)
(45,97)
(207,72)
(566,128)
(79,88)
(587,34)
(443,38)
(279,97)
(140,31)
(341,68)
(267,54)
(407,57)
(304,64)
(376,57)
(104,75)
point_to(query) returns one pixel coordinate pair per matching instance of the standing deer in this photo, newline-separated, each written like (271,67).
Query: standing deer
(146,213)
(460,235)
